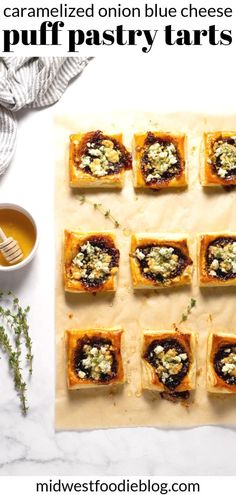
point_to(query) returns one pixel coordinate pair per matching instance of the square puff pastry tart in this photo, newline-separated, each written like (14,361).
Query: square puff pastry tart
(218,159)
(221,363)
(91,261)
(217,259)
(159,160)
(98,160)
(160,261)
(169,361)
(94,358)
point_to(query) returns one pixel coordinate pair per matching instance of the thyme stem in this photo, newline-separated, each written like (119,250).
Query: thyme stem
(190,306)
(98,206)
(13,319)
(14,365)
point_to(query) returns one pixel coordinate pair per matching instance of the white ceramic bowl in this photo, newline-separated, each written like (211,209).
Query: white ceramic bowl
(18,266)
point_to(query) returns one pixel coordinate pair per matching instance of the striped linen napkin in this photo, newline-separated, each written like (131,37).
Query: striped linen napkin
(30,83)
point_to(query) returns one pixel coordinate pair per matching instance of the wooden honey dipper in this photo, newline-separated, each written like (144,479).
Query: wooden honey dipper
(10,249)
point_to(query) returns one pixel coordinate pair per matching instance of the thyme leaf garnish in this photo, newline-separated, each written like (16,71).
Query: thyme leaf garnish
(104,211)
(14,333)
(190,306)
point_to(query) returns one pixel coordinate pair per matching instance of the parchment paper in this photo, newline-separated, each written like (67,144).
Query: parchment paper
(190,210)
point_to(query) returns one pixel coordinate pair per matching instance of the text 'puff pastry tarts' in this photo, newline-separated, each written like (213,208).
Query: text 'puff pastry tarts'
(91,261)
(98,160)
(160,261)
(218,159)
(217,259)
(159,160)
(94,358)
(168,361)
(221,363)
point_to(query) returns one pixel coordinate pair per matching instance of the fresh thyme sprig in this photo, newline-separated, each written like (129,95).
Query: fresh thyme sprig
(190,306)
(22,329)
(13,319)
(14,365)
(98,206)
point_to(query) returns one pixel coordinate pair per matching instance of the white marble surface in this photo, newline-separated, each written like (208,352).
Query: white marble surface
(30,445)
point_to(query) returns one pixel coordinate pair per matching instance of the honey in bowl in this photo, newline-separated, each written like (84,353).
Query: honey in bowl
(17,225)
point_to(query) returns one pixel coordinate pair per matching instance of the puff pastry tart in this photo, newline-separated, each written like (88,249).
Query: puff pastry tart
(217,259)
(218,159)
(159,160)
(91,261)
(94,358)
(168,361)
(160,261)
(98,160)
(221,363)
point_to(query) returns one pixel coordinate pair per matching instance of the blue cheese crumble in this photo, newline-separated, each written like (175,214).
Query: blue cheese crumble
(229,364)
(162,158)
(225,157)
(91,262)
(100,158)
(168,363)
(97,362)
(159,260)
(223,258)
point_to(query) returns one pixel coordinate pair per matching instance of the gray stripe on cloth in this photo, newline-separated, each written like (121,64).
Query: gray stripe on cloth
(8,131)
(30,83)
